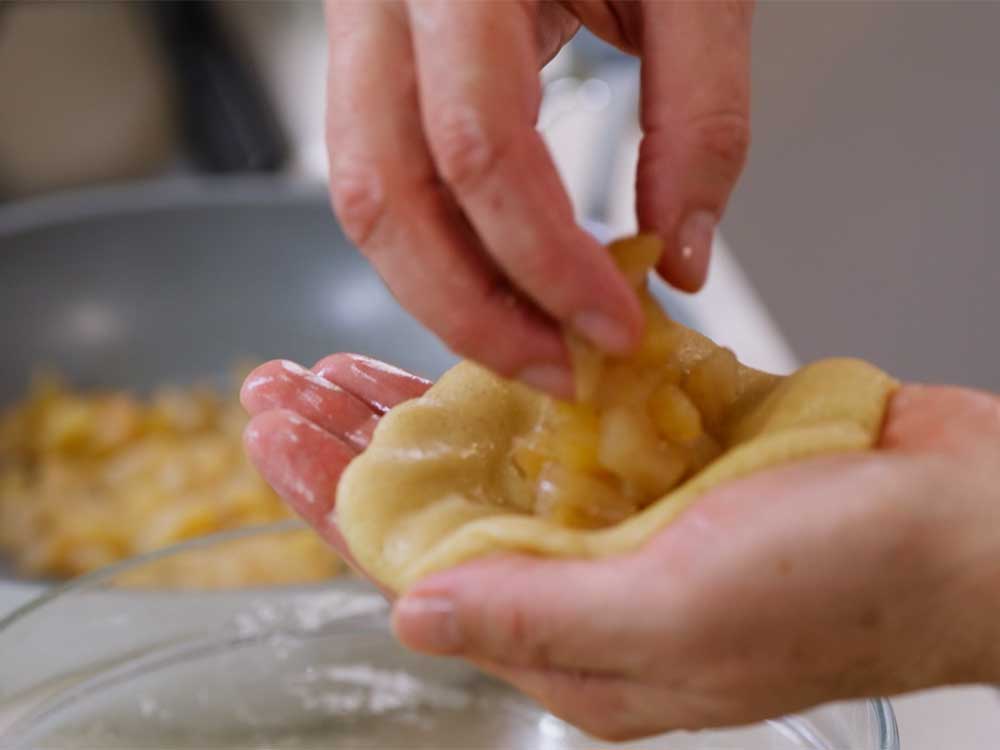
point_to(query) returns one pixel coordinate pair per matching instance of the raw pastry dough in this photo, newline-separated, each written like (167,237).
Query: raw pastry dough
(445,479)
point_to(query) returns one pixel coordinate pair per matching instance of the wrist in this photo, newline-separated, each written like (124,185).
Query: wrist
(970,607)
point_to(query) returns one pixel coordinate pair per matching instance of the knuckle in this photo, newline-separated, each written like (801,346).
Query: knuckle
(466,152)
(509,628)
(358,200)
(520,641)
(741,11)
(590,704)
(545,269)
(610,730)
(723,136)
(513,635)
(464,336)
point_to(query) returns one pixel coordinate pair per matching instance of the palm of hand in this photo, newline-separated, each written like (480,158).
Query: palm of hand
(821,580)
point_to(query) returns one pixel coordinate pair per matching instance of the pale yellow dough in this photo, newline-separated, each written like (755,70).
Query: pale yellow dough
(437,486)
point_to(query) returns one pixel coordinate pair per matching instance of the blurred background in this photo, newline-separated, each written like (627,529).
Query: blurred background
(163,223)
(864,218)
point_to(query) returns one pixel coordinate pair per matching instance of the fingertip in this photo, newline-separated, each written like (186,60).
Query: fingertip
(615,332)
(349,366)
(606,310)
(260,377)
(332,365)
(554,379)
(262,433)
(251,437)
(694,248)
(686,258)
(378,384)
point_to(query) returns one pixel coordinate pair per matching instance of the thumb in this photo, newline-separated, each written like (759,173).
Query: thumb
(695,120)
(532,613)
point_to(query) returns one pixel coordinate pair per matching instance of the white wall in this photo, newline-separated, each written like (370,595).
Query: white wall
(869,215)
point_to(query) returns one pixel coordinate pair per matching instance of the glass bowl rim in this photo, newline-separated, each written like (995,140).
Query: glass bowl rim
(888,733)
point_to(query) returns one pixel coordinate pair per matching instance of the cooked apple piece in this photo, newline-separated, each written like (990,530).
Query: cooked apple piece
(527,457)
(567,433)
(700,452)
(575,436)
(639,425)
(661,338)
(713,385)
(587,364)
(580,500)
(636,255)
(624,384)
(631,449)
(674,414)
(653,312)
(657,346)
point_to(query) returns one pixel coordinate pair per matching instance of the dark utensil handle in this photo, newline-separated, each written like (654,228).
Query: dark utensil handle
(228,122)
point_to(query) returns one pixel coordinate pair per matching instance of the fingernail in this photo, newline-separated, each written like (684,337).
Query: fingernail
(554,379)
(427,623)
(695,248)
(601,329)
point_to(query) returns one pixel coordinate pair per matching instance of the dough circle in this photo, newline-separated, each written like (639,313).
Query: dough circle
(429,492)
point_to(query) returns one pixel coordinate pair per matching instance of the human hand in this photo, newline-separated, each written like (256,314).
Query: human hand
(839,577)
(438,174)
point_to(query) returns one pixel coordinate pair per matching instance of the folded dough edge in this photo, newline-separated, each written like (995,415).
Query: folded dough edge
(434,489)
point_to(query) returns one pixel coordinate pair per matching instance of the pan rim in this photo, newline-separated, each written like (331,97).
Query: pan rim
(154,194)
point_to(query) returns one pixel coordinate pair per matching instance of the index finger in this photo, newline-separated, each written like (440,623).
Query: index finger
(387,193)
(303,463)
(695,113)
(477,69)
(378,384)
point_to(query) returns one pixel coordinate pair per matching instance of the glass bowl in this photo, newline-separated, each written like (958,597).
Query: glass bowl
(94,665)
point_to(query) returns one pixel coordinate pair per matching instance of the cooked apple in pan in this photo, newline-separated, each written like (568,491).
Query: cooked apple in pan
(88,479)
(480,465)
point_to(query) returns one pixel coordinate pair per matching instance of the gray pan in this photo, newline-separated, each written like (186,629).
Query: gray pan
(180,281)
(172,282)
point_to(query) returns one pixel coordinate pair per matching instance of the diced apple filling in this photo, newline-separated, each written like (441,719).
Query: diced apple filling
(640,425)
(674,414)
(559,498)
